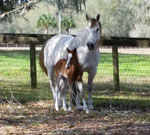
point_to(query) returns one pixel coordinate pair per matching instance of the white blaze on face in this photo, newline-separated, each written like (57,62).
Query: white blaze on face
(68,61)
(94,33)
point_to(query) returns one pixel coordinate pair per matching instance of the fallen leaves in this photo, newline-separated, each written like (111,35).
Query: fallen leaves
(41,119)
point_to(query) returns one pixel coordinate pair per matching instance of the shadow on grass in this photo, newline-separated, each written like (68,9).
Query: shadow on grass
(23,92)
(131,96)
(124,87)
(15,53)
(128,97)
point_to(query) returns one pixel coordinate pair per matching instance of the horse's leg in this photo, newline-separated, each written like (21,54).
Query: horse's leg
(77,96)
(70,96)
(51,81)
(80,87)
(79,107)
(56,98)
(91,76)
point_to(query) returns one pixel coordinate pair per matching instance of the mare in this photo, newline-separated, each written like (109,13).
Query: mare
(69,70)
(87,45)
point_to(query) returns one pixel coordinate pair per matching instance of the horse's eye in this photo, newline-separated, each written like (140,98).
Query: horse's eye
(97,29)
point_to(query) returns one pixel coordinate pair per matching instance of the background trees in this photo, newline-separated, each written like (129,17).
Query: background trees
(141,12)
(118,17)
(7,7)
(67,23)
(46,21)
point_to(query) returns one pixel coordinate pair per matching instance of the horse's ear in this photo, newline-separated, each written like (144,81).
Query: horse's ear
(98,17)
(68,50)
(87,17)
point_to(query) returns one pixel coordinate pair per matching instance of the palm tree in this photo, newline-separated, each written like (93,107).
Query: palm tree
(72,4)
(46,21)
(67,23)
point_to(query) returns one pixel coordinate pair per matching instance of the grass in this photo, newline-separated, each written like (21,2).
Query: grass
(134,76)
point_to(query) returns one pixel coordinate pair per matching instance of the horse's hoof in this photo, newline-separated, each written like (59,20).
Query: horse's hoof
(87,110)
(65,109)
(69,109)
(57,109)
(91,107)
(79,108)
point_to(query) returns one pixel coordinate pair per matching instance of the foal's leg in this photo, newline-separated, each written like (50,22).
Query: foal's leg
(91,76)
(63,90)
(80,87)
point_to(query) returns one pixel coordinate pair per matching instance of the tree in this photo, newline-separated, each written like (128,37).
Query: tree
(67,4)
(117,17)
(46,21)
(125,17)
(7,7)
(141,12)
(20,8)
(67,23)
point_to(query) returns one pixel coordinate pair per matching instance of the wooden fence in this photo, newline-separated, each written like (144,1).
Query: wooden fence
(37,39)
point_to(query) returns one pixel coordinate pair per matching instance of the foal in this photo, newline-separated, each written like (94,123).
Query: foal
(69,71)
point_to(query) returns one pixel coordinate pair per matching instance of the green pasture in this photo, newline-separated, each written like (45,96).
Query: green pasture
(134,77)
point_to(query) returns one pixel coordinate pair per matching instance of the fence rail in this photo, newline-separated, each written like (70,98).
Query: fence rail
(37,39)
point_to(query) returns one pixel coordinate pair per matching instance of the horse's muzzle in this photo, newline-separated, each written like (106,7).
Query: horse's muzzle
(90,46)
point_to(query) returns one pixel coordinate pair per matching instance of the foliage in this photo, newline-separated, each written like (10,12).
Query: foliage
(125,17)
(14,6)
(119,17)
(68,4)
(67,23)
(141,12)
(47,21)
(8,7)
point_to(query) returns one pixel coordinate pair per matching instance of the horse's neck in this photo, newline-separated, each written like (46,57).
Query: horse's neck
(75,61)
(81,38)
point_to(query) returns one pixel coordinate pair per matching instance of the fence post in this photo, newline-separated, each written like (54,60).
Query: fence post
(115,67)
(33,66)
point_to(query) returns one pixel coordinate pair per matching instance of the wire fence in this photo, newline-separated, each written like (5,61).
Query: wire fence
(134,71)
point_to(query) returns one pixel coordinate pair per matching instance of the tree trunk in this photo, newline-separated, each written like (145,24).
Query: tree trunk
(46,30)
(2,8)
(67,31)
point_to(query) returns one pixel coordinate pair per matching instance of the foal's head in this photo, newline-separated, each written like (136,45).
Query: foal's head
(94,29)
(72,55)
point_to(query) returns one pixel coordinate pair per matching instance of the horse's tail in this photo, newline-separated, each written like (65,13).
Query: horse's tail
(41,60)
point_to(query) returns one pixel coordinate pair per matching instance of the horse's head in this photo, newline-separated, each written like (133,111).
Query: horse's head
(94,29)
(71,54)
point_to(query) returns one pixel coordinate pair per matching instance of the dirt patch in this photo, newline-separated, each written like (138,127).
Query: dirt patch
(39,118)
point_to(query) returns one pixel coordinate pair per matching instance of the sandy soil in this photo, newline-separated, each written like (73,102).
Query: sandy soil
(39,118)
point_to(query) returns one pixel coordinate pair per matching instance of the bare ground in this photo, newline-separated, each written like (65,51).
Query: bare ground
(39,118)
